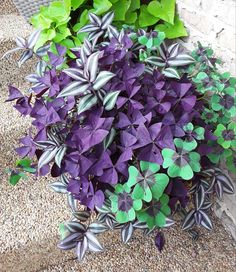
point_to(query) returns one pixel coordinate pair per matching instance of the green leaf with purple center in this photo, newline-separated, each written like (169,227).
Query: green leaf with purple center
(147,183)
(123,205)
(155,214)
(181,162)
(226,136)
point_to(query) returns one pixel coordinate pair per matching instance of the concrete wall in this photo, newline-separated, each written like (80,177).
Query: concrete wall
(213,22)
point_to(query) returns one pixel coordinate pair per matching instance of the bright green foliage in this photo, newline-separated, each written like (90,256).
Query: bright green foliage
(183,162)
(163,9)
(226,136)
(123,205)
(55,21)
(52,21)
(156,212)
(147,184)
(173,30)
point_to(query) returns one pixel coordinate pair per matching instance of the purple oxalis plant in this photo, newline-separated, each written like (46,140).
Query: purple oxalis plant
(110,125)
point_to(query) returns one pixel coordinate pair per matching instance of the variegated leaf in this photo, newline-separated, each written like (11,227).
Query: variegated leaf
(199,197)
(113,32)
(89,28)
(74,226)
(28,54)
(20,42)
(64,179)
(86,103)
(60,155)
(110,100)
(72,202)
(59,187)
(109,139)
(171,73)
(82,215)
(69,241)
(127,232)
(92,66)
(181,60)
(95,19)
(102,79)
(75,73)
(227,183)
(169,223)
(93,243)
(42,51)
(156,61)
(189,220)
(33,38)
(107,19)
(75,88)
(219,189)
(206,221)
(81,249)
(198,217)
(47,156)
(41,67)
(97,227)
(173,50)
(140,225)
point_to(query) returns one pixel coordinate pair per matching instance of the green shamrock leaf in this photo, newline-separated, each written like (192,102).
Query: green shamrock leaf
(209,116)
(183,162)
(123,205)
(155,214)
(149,184)
(226,136)
(218,153)
(152,42)
(194,133)
(225,102)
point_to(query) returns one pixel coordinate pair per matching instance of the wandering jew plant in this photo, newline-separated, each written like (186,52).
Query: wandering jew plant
(133,130)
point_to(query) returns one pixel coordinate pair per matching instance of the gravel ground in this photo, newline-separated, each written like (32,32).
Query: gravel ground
(30,213)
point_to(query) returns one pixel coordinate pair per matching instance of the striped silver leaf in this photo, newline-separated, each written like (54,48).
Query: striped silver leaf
(81,248)
(74,88)
(86,103)
(93,243)
(82,215)
(47,156)
(42,51)
(33,38)
(69,241)
(156,61)
(110,100)
(102,79)
(206,221)
(72,202)
(189,220)
(96,227)
(127,232)
(107,20)
(140,225)
(171,73)
(227,183)
(89,28)
(94,19)
(20,42)
(74,226)
(181,60)
(199,197)
(60,155)
(91,66)
(28,54)
(109,139)
(169,223)
(59,187)
(173,50)
(76,74)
